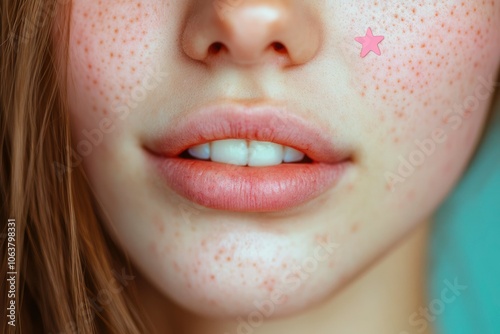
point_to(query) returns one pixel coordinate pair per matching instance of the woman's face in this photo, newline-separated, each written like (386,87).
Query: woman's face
(388,135)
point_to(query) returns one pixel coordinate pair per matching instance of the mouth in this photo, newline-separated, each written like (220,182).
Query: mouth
(247,158)
(244,152)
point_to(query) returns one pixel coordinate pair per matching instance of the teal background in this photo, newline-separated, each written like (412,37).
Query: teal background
(465,244)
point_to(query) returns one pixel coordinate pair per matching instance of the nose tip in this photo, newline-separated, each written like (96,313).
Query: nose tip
(252,32)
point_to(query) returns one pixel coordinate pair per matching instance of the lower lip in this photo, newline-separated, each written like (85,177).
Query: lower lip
(248,189)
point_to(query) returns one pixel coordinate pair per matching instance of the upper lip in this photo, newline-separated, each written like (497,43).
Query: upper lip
(257,122)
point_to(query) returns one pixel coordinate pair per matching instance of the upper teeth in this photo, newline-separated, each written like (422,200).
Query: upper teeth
(244,152)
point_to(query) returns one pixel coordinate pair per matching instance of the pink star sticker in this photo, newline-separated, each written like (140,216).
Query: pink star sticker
(370,43)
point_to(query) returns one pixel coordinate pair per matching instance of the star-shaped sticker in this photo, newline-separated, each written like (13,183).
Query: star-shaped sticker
(370,43)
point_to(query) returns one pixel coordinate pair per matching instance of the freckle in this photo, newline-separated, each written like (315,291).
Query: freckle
(411,195)
(153,248)
(94,108)
(354,228)
(78,42)
(228,259)
(212,277)
(133,69)
(216,257)
(112,55)
(86,50)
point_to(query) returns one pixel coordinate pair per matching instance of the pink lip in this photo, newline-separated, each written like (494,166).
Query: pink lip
(249,189)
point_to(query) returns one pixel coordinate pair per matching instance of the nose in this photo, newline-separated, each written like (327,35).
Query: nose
(249,32)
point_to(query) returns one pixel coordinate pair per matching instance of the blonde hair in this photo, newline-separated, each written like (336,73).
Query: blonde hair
(64,258)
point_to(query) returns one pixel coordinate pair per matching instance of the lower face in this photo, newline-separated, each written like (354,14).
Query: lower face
(406,123)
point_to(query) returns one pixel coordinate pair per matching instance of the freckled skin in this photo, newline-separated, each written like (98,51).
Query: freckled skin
(219,263)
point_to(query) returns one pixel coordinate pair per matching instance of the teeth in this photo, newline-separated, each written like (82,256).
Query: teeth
(241,152)
(292,155)
(264,154)
(200,151)
(230,151)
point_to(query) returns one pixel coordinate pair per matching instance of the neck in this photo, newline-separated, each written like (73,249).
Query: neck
(380,300)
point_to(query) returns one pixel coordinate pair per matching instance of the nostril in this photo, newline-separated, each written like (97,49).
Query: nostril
(278,47)
(215,48)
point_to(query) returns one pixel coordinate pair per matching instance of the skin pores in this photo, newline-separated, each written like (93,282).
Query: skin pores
(411,117)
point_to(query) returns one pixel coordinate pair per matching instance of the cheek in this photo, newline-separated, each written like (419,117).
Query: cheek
(431,58)
(110,45)
(427,93)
